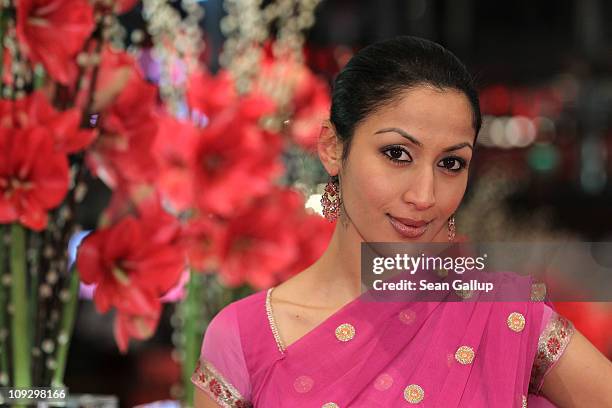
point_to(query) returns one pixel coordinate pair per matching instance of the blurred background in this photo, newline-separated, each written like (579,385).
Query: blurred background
(542,169)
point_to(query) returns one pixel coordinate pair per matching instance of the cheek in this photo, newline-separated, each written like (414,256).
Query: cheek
(370,188)
(449,193)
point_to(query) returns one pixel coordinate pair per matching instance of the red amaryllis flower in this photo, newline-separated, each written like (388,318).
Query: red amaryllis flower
(35,110)
(131,266)
(145,203)
(202,234)
(259,243)
(158,225)
(236,159)
(209,94)
(311,103)
(308,97)
(122,153)
(116,69)
(134,109)
(33,176)
(174,150)
(52,32)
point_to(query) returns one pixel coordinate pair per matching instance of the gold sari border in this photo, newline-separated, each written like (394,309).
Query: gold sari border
(552,343)
(208,379)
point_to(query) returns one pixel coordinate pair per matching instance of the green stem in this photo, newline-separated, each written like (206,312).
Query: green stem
(39,76)
(33,308)
(191,335)
(65,331)
(4,366)
(195,316)
(19,322)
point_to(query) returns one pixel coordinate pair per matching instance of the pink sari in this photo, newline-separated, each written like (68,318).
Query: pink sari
(384,354)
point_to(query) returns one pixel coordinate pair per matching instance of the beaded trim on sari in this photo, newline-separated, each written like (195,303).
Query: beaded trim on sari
(551,345)
(209,380)
(270,314)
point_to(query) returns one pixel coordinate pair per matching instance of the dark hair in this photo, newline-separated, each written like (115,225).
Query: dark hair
(378,73)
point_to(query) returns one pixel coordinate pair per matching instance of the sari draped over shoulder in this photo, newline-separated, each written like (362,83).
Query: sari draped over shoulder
(385,354)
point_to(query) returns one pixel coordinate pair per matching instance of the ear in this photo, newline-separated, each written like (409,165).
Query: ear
(329,148)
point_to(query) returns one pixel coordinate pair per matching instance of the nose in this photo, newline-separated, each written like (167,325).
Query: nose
(420,191)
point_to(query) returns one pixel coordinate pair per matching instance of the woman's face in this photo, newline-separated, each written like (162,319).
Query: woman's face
(408,165)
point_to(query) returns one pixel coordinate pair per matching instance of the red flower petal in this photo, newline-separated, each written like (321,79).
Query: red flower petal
(53,32)
(32,215)
(161,268)
(124,238)
(90,260)
(140,327)
(68,137)
(211,94)
(33,178)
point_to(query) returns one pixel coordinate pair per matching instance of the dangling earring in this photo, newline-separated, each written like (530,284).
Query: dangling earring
(331,199)
(451,228)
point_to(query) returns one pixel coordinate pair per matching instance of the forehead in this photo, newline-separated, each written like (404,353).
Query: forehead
(432,115)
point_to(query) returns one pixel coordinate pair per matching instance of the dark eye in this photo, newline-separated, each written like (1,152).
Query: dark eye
(452,163)
(397,154)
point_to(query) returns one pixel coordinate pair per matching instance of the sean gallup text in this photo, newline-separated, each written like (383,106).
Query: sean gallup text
(425,285)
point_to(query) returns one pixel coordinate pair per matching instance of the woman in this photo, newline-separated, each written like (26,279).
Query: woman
(400,138)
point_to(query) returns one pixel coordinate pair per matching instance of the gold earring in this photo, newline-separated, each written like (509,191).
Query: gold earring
(331,199)
(451,228)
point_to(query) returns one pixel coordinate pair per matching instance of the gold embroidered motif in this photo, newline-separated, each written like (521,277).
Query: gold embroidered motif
(383,382)
(272,322)
(538,291)
(407,316)
(209,380)
(464,354)
(303,384)
(464,293)
(551,345)
(330,405)
(414,393)
(516,321)
(524,402)
(345,332)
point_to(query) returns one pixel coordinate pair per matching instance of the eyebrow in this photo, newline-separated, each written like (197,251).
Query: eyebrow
(403,133)
(415,141)
(458,146)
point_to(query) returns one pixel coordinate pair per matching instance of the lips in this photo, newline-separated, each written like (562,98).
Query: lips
(408,227)
(411,223)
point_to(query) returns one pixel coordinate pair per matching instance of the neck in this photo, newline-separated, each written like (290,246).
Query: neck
(337,273)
